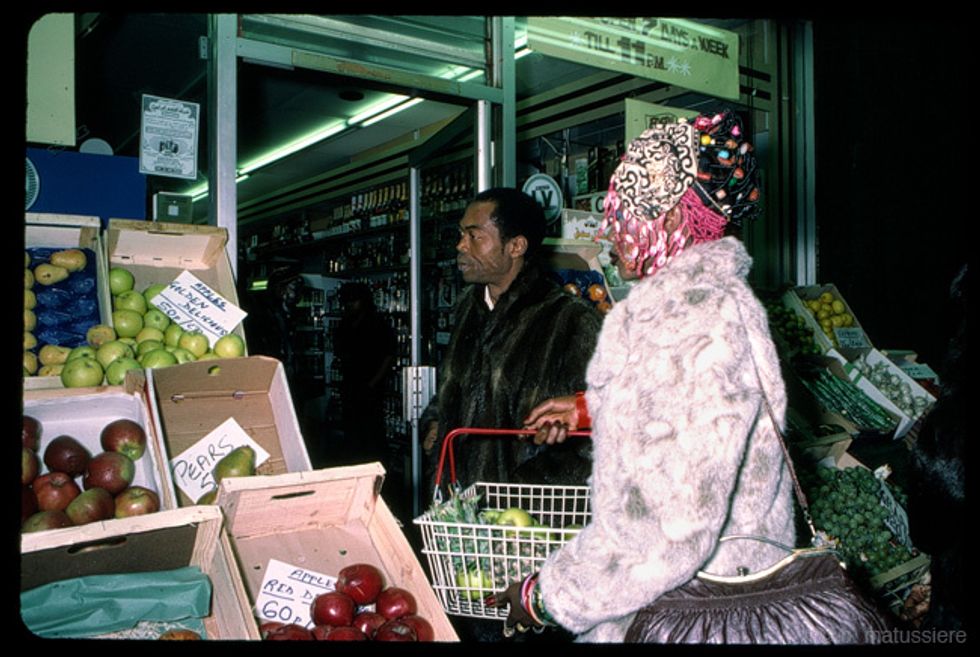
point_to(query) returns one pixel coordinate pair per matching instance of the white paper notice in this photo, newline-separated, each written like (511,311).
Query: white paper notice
(194,306)
(288,591)
(192,467)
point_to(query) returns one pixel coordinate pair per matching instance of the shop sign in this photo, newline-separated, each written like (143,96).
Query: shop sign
(547,192)
(168,137)
(194,306)
(672,50)
(641,115)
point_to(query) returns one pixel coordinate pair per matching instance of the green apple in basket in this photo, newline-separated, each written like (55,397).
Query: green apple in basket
(475,583)
(516,517)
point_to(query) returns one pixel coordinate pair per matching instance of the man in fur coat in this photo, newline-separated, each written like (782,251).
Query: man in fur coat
(518,339)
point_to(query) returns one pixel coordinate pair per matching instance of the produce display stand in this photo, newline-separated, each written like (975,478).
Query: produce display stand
(468,557)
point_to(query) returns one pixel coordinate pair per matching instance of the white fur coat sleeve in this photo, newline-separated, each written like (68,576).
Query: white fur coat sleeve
(681,452)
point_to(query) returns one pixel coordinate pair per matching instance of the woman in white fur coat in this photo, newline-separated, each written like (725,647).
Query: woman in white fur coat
(684,451)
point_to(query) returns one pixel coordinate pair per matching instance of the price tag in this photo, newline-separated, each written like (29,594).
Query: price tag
(897,520)
(852,338)
(919,371)
(194,306)
(192,467)
(288,591)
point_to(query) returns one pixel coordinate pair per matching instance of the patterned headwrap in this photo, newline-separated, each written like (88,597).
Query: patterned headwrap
(704,169)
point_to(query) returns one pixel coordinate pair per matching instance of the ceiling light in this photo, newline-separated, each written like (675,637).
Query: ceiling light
(391,112)
(298,145)
(377,108)
(469,76)
(523,52)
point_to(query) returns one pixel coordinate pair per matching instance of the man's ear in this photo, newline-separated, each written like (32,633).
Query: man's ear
(517,246)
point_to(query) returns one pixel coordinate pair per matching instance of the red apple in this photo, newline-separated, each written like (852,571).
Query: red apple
(339,633)
(44,520)
(395,630)
(91,505)
(361,581)
(333,608)
(369,622)
(66,454)
(113,471)
(31,435)
(395,601)
(136,501)
(55,491)
(28,503)
(124,436)
(423,629)
(29,465)
(289,632)
(269,626)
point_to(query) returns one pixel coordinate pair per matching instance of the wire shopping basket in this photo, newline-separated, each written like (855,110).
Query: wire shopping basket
(489,534)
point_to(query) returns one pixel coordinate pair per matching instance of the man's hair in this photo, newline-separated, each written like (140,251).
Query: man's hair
(515,213)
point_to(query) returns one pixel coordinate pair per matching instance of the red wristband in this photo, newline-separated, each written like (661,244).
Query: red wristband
(583,421)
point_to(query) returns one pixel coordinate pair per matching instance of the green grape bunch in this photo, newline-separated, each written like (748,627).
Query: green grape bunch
(846,504)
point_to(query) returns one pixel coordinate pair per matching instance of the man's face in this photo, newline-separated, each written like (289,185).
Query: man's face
(481,256)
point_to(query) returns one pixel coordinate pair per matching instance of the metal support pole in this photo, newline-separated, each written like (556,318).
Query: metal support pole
(222,129)
(804,137)
(415,300)
(483,150)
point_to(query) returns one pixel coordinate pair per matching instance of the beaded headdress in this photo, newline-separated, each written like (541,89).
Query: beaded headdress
(705,169)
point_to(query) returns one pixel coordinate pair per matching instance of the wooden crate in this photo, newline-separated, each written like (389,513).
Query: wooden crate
(321,521)
(161,541)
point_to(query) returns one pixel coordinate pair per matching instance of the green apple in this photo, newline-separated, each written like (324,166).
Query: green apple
(475,583)
(127,322)
(157,358)
(209,355)
(120,280)
(182,355)
(156,318)
(130,341)
(130,300)
(111,351)
(146,346)
(149,333)
(194,342)
(229,346)
(115,374)
(82,351)
(99,334)
(82,373)
(515,517)
(153,290)
(171,335)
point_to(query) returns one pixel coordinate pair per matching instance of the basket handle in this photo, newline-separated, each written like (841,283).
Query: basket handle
(447,442)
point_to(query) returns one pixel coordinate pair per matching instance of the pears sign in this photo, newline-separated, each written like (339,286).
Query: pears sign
(194,468)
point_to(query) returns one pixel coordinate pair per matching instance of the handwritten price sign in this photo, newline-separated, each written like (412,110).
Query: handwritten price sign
(288,591)
(193,468)
(194,306)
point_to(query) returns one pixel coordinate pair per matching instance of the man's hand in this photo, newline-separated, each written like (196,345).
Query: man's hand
(553,419)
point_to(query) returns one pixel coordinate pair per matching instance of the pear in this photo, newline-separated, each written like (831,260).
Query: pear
(30,299)
(28,279)
(27,259)
(98,334)
(52,354)
(208,497)
(30,362)
(51,370)
(239,462)
(29,340)
(46,274)
(30,319)
(70,259)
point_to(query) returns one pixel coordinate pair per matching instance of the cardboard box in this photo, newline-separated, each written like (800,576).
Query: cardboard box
(875,358)
(60,231)
(322,521)
(161,541)
(580,255)
(190,400)
(851,341)
(82,413)
(157,253)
